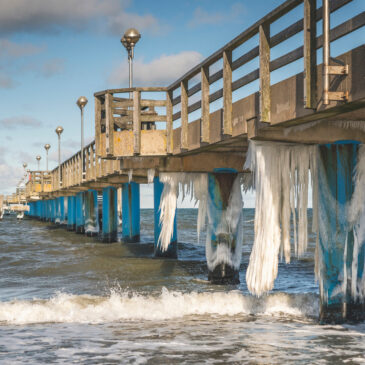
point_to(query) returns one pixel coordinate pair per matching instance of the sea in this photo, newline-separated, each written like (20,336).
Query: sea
(69,299)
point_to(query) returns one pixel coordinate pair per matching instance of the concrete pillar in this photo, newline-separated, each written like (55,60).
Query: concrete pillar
(110,215)
(340,245)
(172,249)
(130,212)
(60,210)
(80,213)
(71,213)
(91,213)
(224,249)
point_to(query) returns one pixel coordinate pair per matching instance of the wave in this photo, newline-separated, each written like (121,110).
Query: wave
(118,306)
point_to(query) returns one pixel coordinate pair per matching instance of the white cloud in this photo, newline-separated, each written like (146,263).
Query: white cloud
(17,122)
(56,15)
(9,49)
(53,67)
(6,82)
(9,177)
(160,72)
(203,17)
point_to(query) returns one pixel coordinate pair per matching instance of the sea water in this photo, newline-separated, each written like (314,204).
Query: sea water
(66,298)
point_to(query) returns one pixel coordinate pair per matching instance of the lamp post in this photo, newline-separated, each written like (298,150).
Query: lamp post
(38,158)
(47,147)
(81,102)
(59,131)
(129,40)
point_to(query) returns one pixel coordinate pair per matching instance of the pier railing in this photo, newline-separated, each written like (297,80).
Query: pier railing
(38,182)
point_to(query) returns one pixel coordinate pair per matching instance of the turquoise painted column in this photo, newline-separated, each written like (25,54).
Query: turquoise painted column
(80,215)
(43,210)
(130,212)
(53,210)
(38,209)
(31,209)
(91,213)
(172,249)
(110,215)
(337,275)
(60,210)
(71,213)
(49,210)
(224,250)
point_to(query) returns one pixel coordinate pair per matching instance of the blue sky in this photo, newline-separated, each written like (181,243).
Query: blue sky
(52,51)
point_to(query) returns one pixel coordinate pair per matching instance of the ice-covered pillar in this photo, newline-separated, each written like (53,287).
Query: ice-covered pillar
(224,229)
(60,210)
(341,248)
(172,248)
(110,215)
(53,210)
(71,213)
(80,213)
(130,212)
(91,213)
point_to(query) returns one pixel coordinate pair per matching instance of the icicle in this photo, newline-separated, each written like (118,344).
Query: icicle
(150,175)
(130,175)
(281,181)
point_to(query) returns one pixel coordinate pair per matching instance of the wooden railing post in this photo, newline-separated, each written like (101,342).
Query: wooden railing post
(97,125)
(109,124)
(227,93)
(310,54)
(265,97)
(169,129)
(184,115)
(136,122)
(205,124)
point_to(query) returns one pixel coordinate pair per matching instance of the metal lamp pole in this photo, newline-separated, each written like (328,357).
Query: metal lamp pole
(81,102)
(59,131)
(38,158)
(129,40)
(47,147)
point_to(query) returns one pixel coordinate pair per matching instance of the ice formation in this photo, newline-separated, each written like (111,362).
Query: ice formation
(281,178)
(196,185)
(150,175)
(130,175)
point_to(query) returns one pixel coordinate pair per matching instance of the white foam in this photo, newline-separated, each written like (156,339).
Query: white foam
(68,308)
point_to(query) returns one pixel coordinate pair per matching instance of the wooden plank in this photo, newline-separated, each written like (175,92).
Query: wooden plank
(146,102)
(136,122)
(184,115)
(109,126)
(97,103)
(265,97)
(227,93)
(169,124)
(310,54)
(122,104)
(205,125)
(153,118)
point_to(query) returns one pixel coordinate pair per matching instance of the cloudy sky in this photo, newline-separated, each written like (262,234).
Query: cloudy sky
(52,51)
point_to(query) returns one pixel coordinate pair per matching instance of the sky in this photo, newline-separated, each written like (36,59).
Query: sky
(52,52)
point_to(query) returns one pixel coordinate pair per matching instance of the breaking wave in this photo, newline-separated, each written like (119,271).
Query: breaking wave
(122,306)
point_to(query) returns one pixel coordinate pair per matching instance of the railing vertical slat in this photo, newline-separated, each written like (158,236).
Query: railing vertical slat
(205,128)
(184,115)
(97,125)
(227,93)
(169,129)
(136,122)
(109,124)
(265,97)
(310,54)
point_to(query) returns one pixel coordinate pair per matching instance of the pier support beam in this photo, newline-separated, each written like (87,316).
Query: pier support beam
(91,213)
(60,210)
(53,210)
(80,213)
(341,250)
(172,249)
(71,213)
(110,215)
(130,212)
(225,205)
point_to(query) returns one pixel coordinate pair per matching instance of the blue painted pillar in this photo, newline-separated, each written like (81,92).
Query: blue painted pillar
(91,213)
(71,213)
(38,209)
(337,275)
(31,209)
(110,215)
(130,212)
(172,249)
(53,210)
(80,213)
(224,250)
(43,210)
(49,210)
(60,210)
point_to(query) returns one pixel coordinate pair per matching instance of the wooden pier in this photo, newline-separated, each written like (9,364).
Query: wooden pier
(142,132)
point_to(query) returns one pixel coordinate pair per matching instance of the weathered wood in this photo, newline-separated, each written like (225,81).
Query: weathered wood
(265,97)
(169,124)
(149,103)
(205,126)
(122,104)
(310,54)
(136,122)
(227,93)
(109,126)
(97,103)
(184,115)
